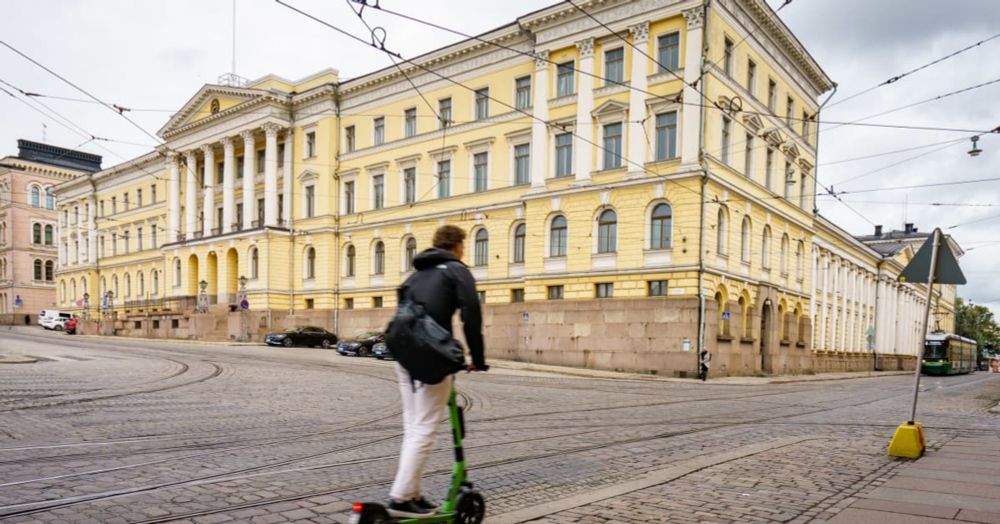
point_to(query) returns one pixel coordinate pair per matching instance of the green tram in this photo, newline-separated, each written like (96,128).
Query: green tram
(948,354)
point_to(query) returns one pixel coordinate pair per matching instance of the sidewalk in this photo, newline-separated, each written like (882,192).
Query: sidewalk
(958,483)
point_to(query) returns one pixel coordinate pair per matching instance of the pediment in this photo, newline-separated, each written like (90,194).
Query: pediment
(610,107)
(753,122)
(208,101)
(792,151)
(773,136)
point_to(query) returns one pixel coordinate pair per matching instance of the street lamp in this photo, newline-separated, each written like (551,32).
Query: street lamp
(242,301)
(202,297)
(243,282)
(86,305)
(111,303)
(974,152)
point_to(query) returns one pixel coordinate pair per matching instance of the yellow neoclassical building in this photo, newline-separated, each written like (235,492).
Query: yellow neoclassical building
(630,194)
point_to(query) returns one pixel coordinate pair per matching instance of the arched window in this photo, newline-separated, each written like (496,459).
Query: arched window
(83,286)
(765,248)
(745,241)
(142,285)
(311,262)
(520,232)
(128,285)
(799,253)
(254,263)
(720,302)
(351,258)
(38,269)
(482,257)
(557,237)
(411,252)
(114,286)
(36,234)
(36,196)
(177,272)
(62,291)
(783,263)
(659,227)
(722,231)
(155,277)
(744,318)
(50,270)
(379,258)
(50,200)
(607,232)
(48,235)
(72,289)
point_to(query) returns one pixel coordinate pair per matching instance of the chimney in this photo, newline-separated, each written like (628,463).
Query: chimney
(878,230)
(909,228)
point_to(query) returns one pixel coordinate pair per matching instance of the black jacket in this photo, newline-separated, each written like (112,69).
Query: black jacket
(443,284)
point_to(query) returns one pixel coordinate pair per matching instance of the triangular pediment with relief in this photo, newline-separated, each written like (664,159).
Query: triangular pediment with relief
(773,137)
(753,122)
(209,101)
(609,108)
(792,151)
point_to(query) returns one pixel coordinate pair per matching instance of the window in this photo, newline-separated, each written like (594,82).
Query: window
(789,179)
(259,162)
(772,94)
(752,77)
(444,112)
(138,238)
(802,190)
(564,154)
(659,227)
(669,52)
(152,235)
(310,147)
(482,255)
(378,191)
(310,263)
(177,272)
(349,197)
(379,259)
(783,262)
(520,234)
(769,168)
(607,232)
(36,196)
(564,79)
(38,269)
(411,252)
(239,159)
(378,137)
(124,205)
(220,174)
(522,164)
(310,201)
(351,258)
(748,155)
(604,290)
(310,303)
(138,197)
(727,57)
(152,193)
(554,292)
(614,66)
(254,263)
(156,282)
(410,122)
(789,111)
(260,212)
(522,92)
(125,242)
(557,237)
(799,252)
(48,235)
(480,164)
(50,199)
(376,302)
(765,249)
(444,178)
(666,135)
(348,303)
(727,125)
(722,231)
(481,295)
(350,140)
(517,295)
(745,241)
(410,185)
(101,204)
(36,234)
(142,285)
(656,288)
(50,270)
(612,146)
(482,103)
(114,244)
(114,205)
(805,126)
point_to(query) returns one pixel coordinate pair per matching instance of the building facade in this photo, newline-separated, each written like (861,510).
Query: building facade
(29,226)
(630,195)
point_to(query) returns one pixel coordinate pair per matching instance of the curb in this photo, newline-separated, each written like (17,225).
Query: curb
(171,340)
(17,360)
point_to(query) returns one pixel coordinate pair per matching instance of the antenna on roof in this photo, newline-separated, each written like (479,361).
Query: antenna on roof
(231,79)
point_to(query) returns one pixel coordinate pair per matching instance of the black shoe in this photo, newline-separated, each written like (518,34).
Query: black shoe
(425,504)
(408,509)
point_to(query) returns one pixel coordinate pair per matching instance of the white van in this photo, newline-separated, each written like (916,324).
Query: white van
(51,318)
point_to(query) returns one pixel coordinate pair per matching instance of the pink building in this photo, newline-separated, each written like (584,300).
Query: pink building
(29,225)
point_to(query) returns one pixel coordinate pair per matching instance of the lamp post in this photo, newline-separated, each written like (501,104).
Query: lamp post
(86,306)
(202,297)
(244,305)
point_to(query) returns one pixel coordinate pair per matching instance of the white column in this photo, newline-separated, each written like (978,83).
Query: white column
(813,299)
(79,233)
(228,184)
(91,230)
(271,174)
(539,124)
(583,148)
(286,179)
(190,196)
(249,172)
(824,313)
(208,206)
(691,120)
(853,308)
(637,100)
(174,198)
(844,288)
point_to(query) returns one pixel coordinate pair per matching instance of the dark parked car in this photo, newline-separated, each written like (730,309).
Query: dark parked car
(381,351)
(310,336)
(362,345)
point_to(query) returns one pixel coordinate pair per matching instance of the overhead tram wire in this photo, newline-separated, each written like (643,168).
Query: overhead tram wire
(900,76)
(750,33)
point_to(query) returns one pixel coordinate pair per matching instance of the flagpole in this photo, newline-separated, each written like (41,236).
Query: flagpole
(927,316)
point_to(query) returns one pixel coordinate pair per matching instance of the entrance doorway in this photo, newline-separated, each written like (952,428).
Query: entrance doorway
(765,337)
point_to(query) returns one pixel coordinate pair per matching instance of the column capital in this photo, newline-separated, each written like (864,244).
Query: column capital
(228,144)
(247,135)
(695,17)
(541,60)
(586,47)
(207,149)
(271,129)
(640,32)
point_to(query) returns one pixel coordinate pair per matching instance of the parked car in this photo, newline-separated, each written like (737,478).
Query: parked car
(309,336)
(70,326)
(362,345)
(48,314)
(381,351)
(57,323)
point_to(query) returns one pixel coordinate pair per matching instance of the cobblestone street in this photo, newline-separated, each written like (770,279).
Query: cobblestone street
(115,431)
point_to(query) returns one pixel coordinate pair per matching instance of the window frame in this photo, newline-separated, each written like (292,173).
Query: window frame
(409,122)
(566,78)
(676,55)
(620,70)
(481,103)
(481,240)
(669,151)
(612,159)
(607,231)
(558,234)
(522,90)
(563,155)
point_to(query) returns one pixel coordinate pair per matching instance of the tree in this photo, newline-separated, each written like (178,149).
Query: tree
(977,322)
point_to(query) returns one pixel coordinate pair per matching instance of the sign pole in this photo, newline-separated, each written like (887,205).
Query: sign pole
(927,316)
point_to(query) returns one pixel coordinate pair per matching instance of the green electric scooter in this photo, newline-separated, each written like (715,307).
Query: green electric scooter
(464,505)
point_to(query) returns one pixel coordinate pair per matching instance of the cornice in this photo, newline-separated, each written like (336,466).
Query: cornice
(35,168)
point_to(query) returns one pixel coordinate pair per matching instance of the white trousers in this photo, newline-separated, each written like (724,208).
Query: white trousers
(423,410)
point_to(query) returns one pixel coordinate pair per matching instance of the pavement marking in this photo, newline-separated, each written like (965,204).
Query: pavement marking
(649,479)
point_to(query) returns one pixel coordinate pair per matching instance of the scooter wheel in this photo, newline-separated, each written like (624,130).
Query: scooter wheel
(470,508)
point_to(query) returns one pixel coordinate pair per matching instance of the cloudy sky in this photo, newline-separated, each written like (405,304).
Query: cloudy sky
(151,56)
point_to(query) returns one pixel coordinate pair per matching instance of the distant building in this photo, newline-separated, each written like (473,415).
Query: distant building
(29,225)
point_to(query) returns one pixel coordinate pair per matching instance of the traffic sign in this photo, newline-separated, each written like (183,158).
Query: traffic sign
(946,270)
(17,301)
(725,315)
(244,304)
